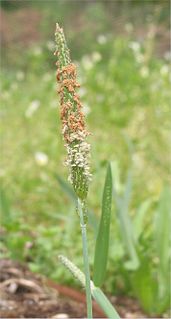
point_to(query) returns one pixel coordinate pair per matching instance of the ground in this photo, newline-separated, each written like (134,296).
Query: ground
(28,295)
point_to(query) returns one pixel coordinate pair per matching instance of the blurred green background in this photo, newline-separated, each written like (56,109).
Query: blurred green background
(121,49)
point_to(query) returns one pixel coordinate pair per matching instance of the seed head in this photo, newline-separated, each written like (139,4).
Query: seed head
(73,121)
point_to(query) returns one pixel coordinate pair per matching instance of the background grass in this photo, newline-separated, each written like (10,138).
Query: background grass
(121,50)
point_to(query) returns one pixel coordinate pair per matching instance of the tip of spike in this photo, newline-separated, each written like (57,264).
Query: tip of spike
(58,28)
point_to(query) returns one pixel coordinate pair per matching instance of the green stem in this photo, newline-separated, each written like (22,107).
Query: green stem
(85,259)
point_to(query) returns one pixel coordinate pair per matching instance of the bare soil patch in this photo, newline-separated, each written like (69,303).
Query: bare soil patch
(28,295)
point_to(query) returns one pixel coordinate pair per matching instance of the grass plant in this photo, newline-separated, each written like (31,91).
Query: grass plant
(124,94)
(75,133)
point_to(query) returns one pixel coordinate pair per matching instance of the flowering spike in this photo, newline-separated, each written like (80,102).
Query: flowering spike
(73,122)
(77,273)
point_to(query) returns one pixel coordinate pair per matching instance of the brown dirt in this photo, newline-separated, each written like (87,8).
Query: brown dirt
(28,295)
(25,295)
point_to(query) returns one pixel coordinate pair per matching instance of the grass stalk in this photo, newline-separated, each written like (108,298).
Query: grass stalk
(85,260)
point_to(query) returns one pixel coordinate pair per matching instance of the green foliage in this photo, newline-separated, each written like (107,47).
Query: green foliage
(5,208)
(122,204)
(102,240)
(150,276)
(14,232)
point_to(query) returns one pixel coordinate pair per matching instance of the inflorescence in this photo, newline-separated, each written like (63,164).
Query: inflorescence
(73,122)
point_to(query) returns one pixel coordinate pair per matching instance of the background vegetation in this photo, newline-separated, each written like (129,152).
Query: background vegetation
(122,52)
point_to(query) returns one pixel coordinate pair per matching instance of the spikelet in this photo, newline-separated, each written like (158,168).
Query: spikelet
(77,273)
(73,122)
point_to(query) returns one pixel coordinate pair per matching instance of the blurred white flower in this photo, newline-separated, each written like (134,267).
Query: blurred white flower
(101,39)
(129,27)
(139,57)
(82,91)
(156,85)
(86,109)
(61,316)
(47,77)
(41,158)
(87,62)
(158,111)
(50,45)
(164,70)
(144,71)
(20,75)
(37,51)
(135,46)
(34,105)
(2,172)
(100,97)
(138,161)
(167,55)
(96,57)
(54,104)
(5,95)
(156,260)
(14,86)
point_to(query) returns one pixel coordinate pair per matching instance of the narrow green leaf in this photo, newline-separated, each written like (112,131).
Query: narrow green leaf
(67,189)
(116,173)
(104,303)
(162,241)
(102,241)
(139,217)
(162,227)
(122,205)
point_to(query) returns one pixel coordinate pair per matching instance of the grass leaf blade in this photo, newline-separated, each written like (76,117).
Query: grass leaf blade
(67,189)
(104,303)
(162,236)
(139,217)
(122,204)
(102,240)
